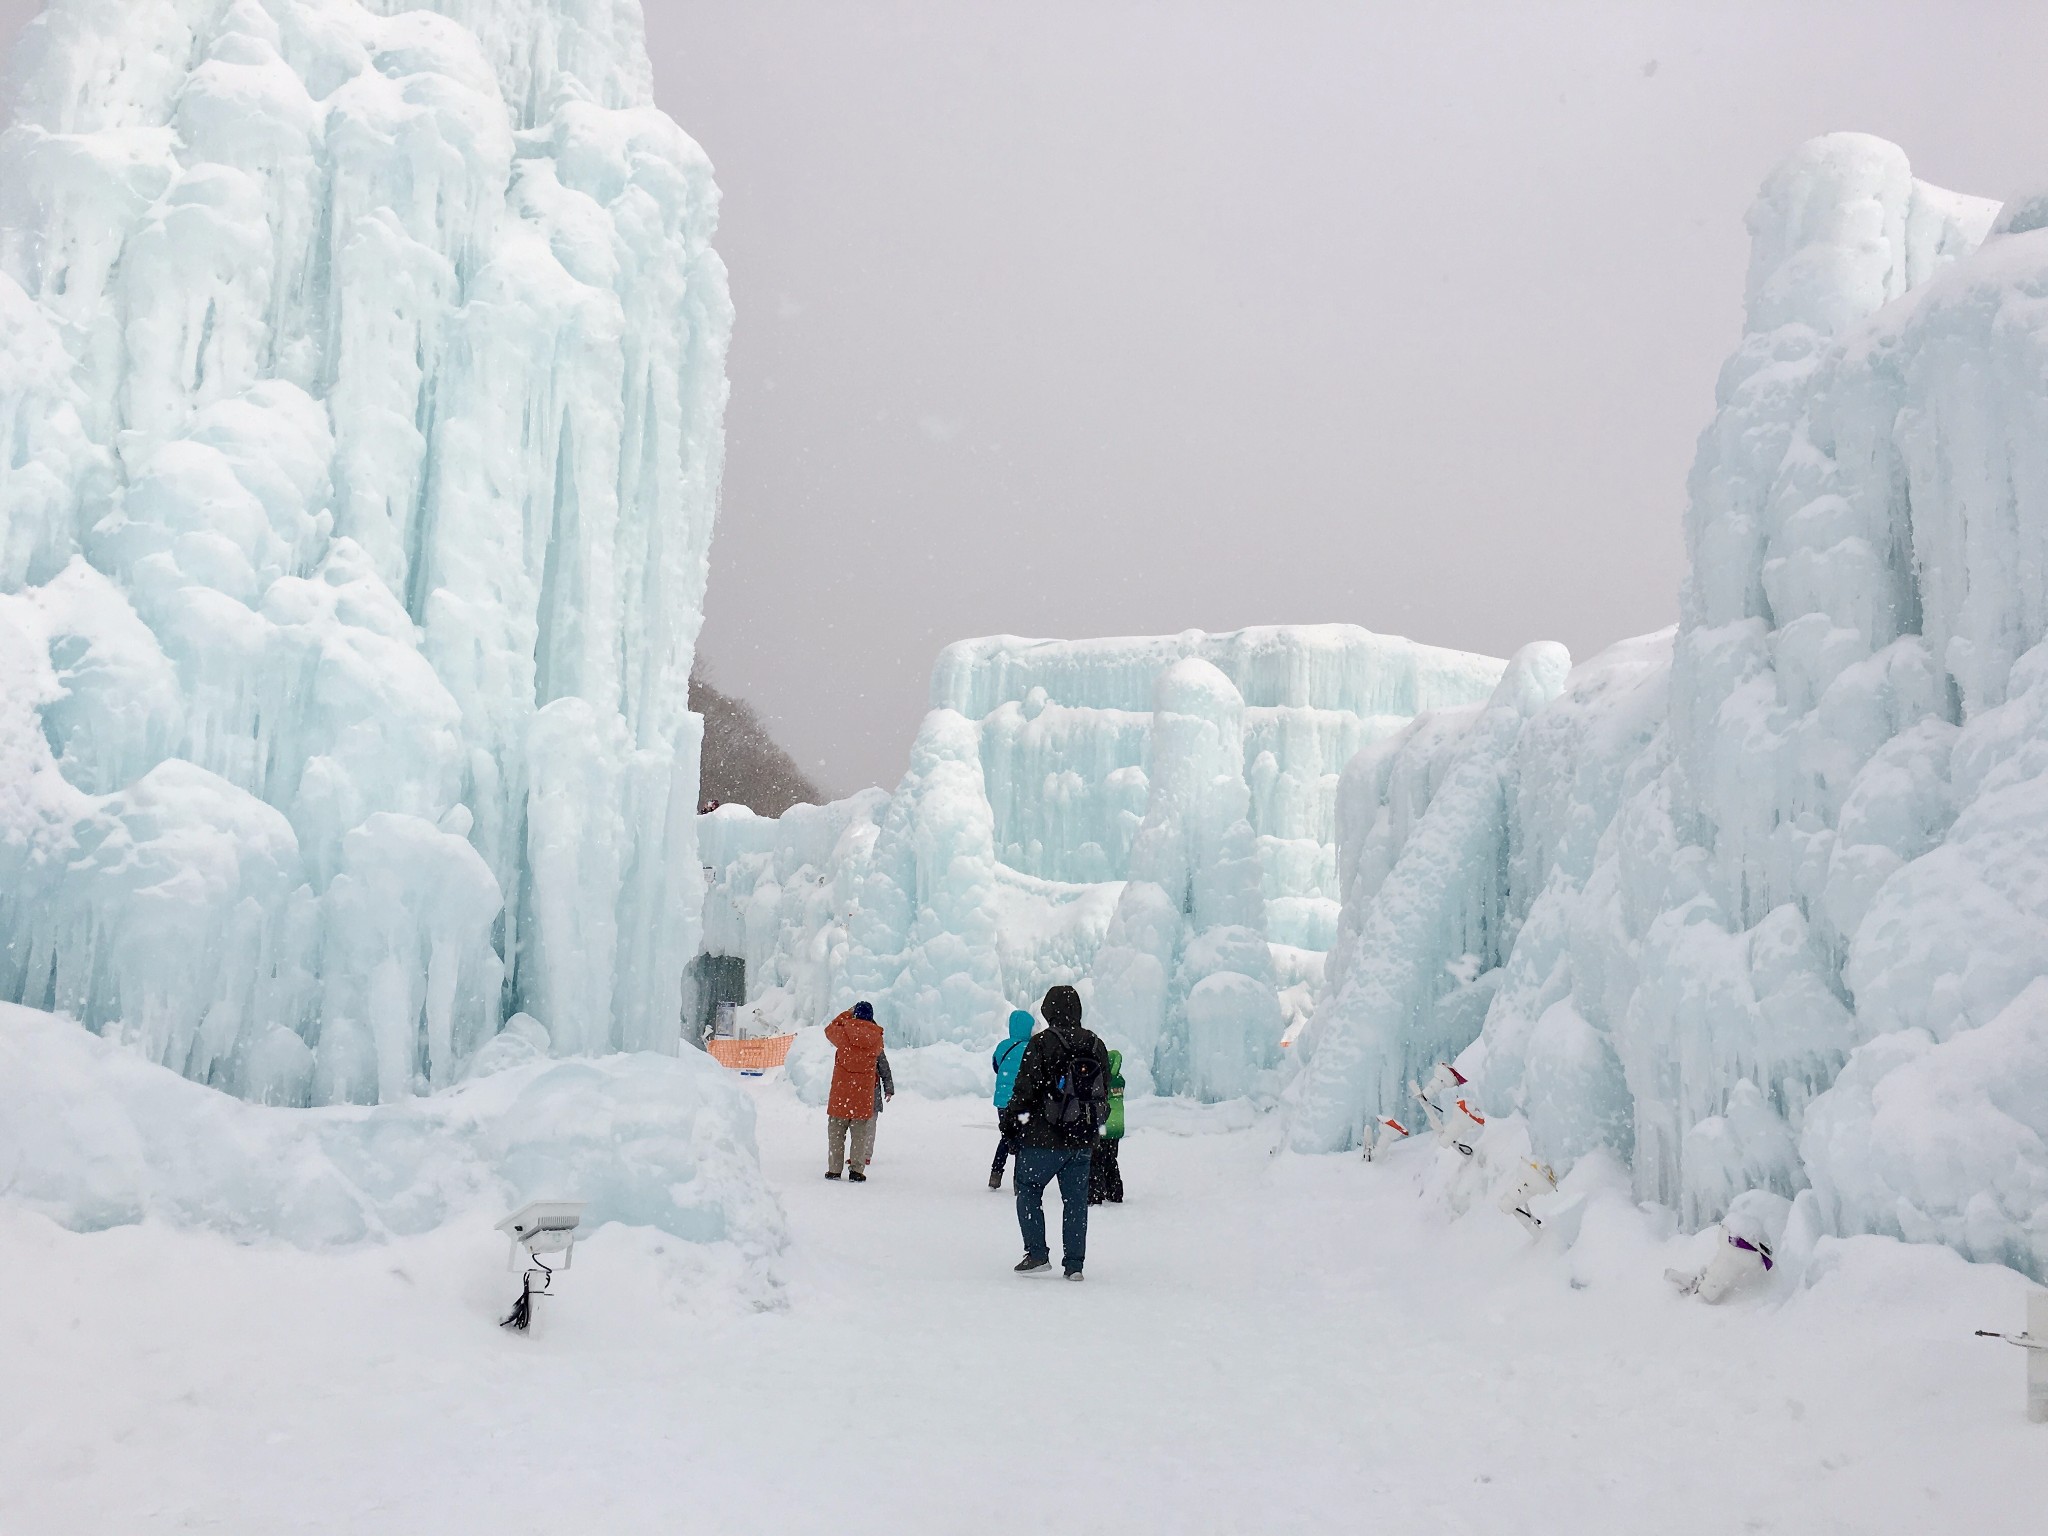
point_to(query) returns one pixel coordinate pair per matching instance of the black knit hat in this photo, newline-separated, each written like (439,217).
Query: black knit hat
(1061,1008)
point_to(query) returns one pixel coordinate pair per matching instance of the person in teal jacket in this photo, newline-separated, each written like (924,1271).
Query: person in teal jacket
(1105,1177)
(1008,1057)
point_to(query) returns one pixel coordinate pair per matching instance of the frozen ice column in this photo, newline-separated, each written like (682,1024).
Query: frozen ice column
(925,936)
(1184,981)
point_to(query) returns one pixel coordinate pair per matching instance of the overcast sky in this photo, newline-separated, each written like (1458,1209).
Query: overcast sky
(1098,318)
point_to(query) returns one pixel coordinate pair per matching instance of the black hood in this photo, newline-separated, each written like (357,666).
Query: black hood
(1061,1009)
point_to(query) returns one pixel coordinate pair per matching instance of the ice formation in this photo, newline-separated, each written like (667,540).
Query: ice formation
(1760,905)
(363,367)
(1153,818)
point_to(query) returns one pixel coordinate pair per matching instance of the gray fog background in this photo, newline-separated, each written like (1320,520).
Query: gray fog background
(1093,318)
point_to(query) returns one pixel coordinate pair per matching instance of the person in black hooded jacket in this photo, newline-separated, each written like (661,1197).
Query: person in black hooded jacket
(1048,1150)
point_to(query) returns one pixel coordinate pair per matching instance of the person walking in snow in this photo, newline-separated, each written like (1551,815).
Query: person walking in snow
(1008,1057)
(1105,1177)
(1056,1111)
(856,1091)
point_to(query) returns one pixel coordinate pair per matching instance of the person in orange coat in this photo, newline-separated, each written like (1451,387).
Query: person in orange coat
(857,1042)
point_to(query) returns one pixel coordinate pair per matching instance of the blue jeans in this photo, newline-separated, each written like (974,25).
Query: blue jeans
(1036,1168)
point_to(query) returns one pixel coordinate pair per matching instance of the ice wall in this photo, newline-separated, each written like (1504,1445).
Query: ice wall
(363,364)
(1428,914)
(1066,732)
(1774,915)
(781,894)
(1046,773)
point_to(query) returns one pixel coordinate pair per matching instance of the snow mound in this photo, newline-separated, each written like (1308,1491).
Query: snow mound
(943,1070)
(94,1136)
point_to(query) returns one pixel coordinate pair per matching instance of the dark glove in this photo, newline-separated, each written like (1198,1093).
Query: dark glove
(1007,1124)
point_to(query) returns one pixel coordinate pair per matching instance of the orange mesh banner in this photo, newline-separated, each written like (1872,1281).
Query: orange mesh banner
(751,1055)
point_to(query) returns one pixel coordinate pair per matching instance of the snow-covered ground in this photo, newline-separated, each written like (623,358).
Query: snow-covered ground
(1263,1344)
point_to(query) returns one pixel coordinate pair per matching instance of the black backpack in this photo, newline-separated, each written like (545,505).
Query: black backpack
(1078,1099)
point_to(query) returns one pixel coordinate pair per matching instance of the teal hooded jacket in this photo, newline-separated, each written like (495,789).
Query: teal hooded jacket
(1009,1056)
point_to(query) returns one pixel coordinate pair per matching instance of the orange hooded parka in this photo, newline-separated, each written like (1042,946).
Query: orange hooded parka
(858,1043)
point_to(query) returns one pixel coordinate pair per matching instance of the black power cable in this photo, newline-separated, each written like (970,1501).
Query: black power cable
(520,1318)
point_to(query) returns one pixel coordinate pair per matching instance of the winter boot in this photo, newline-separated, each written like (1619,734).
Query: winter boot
(1028,1265)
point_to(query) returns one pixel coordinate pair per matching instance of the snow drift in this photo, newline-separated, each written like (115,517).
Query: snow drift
(362,366)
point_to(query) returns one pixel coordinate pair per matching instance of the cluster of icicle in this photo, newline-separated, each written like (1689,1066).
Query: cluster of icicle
(362,376)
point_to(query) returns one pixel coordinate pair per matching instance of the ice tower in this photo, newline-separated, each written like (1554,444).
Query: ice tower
(1760,905)
(362,363)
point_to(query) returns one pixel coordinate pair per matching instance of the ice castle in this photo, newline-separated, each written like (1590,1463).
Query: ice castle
(362,380)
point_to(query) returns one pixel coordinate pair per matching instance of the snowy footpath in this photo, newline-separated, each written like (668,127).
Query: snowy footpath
(1263,1344)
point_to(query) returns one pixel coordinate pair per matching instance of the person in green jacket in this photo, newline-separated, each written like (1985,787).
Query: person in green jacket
(1105,1178)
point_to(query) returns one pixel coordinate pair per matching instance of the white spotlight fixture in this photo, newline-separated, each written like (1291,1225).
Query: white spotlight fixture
(2035,1342)
(539,1226)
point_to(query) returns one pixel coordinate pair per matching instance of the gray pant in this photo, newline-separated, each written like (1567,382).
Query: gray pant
(835,1143)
